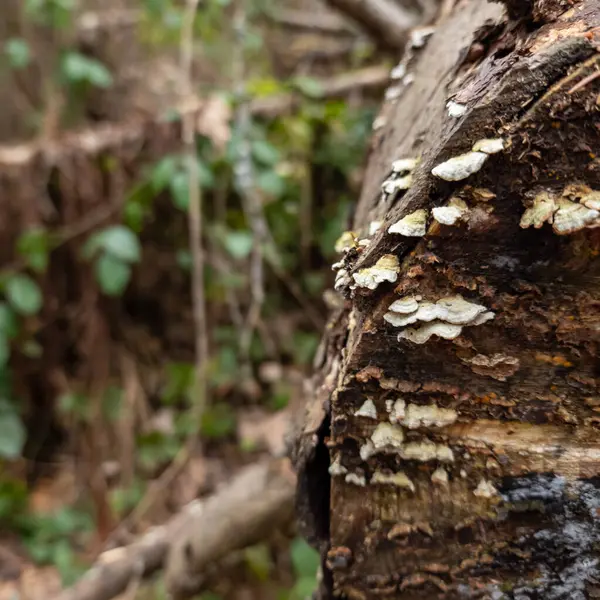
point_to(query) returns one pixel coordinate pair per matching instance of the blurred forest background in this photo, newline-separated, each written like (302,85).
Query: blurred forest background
(124,394)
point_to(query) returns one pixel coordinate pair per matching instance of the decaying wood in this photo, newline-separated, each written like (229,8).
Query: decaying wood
(464,455)
(254,504)
(388,22)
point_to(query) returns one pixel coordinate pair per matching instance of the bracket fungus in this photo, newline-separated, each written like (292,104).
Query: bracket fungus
(444,318)
(456,210)
(412,225)
(426,450)
(336,467)
(440,477)
(485,489)
(396,479)
(396,409)
(576,208)
(427,416)
(455,110)
(463,166)
(356,479)
(346,241)
(367,410)
(385,269)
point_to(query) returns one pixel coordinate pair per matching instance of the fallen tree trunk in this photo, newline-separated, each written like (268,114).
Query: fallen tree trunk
(456,420)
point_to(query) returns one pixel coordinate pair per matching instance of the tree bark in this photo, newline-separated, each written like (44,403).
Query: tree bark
(452,449)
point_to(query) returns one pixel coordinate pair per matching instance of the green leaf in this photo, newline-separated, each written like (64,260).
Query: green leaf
(265,153)
(304,559)
(271,183)
(18,52)
(24,294)
(112,400)
(34,246)
(258,560)
(218,421)
(180,190)
(12,435)
(112,274)
(75,404)
(78,68)
(163,172)
(239,243)
(9,325)
(118,241)
(308,86)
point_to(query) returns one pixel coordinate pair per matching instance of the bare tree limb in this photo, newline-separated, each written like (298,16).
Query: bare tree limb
(386,21)
(256,502)
(101,138)
(322,22)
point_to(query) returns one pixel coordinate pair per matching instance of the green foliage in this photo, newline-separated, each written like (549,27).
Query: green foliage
(115,249)
(12,431)
(34,246)
(218,421)
(179,382)
(77,68)
(50,540)
(258,561)
(54,13)
(23,294)
(18,52)
(305,561)
(156,448)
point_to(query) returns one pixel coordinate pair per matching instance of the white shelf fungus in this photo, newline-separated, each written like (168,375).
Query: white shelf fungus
(571,217)
(385,269)
(403,165)
(440,476)
(489,146)
(460,167)
(336,468)
(426,450)
(427,416)
(485,489)
(367,410)
(346,241)
(374,227)
(455,110)
(541,211)
(444,318)
(396,479)
(412,225)
(449,215)
(355,479)
(397,410)
(393,186)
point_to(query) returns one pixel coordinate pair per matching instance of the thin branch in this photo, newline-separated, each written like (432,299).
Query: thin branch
(387,22)
(320,22)
(112,136)
(194,220)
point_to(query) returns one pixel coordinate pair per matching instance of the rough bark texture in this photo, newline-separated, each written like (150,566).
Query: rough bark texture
(472,467)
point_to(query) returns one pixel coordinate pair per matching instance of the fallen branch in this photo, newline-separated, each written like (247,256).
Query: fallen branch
(387,22)
(256,502)
(321,22)
(102,138)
